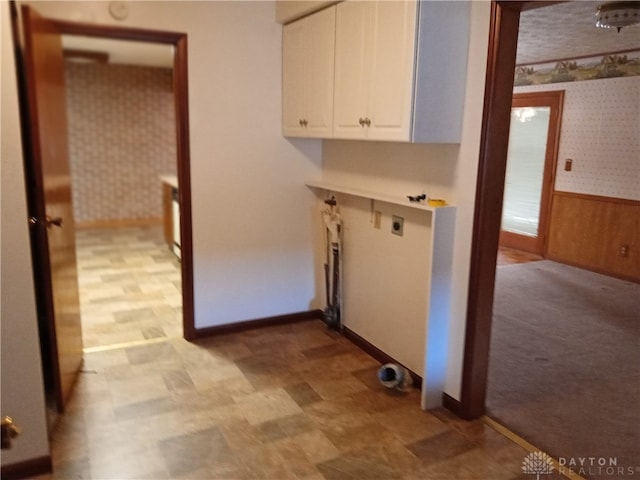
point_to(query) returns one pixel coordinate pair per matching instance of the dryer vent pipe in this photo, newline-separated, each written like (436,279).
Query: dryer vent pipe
(394,376)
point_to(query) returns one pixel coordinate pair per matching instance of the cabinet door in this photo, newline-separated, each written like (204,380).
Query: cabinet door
(320,35)
(293,78)
(391,80)
(353,63)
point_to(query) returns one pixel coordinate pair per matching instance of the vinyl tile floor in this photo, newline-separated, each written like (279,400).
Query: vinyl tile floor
(130,286)
(294,401)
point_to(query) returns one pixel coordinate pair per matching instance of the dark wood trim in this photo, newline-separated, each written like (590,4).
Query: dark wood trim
(378,354)
(118,32)
(181,95)
(89,55)
(554,99)
(27,469)
(181,89)
(350,335)
(517,241)
(492,162)
(523,6)
(566,59)
(451,404)
(598,198)
(257,323)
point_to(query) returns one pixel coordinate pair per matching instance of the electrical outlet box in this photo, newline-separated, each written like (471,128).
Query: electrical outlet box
(397,225)
(568,164)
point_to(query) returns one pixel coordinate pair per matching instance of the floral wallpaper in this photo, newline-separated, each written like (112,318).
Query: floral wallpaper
(121,138)
(600,132)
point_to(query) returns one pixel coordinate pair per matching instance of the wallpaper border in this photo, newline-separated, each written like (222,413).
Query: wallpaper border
(609,65)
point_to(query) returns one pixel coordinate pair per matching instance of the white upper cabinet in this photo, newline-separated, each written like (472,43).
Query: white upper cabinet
(374,64)
(400,70)
(354,37)
(391,80)
(308,75)
(293,77)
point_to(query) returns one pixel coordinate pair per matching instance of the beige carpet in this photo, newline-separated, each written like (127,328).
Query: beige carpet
(565,364)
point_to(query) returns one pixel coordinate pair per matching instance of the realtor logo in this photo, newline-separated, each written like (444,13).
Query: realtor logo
(537,463)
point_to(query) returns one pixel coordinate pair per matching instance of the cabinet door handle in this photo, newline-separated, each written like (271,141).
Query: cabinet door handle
(367,122)
(301,122)
(305,122)
(361,121)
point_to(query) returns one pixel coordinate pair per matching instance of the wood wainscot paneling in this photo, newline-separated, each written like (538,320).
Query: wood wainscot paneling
(597,233)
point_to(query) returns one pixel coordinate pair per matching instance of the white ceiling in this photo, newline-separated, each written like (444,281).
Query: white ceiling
(560,31)
(567,30)
(124,51)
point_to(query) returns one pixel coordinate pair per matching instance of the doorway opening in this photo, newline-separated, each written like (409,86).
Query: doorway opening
(48,179)
(569,310)
(181,269)
(122,151)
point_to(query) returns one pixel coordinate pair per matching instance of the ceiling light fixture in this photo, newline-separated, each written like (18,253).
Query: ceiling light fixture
(618,15)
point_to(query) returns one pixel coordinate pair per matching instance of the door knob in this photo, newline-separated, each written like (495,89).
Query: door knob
(9,431)
(57,221)
(49,221)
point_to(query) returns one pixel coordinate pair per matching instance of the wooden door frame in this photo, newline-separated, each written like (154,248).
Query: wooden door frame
(492,162)
(181,99)
(36,203)
(553,99)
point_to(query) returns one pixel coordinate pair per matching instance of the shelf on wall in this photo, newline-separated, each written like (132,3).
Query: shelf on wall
(383,197)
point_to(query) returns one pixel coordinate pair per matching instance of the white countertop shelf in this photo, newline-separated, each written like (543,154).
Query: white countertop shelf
(383,197)
(170,179)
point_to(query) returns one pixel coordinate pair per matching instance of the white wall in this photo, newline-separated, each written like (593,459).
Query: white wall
(599,132)
(385,290)
(253,220)
(252,228)
(441,171)
(21,373)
